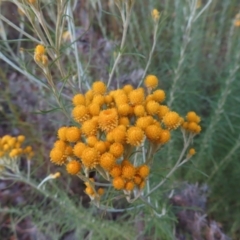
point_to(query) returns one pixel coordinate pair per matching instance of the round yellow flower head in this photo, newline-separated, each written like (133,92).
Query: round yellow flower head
(91,141)
(143,171)
(68,151)
(100,191)
(139,111)
(171,120)
(108,99)
(124,121)
(124,109)
(193,117)
(119,135)
(153,132)
(128,171)
(129,186)
(99,100)
(60,144)
(152,107)
(62,133)
(73,167)
(57,156)
(80,113)
(127,88)
(162,111)
(192,151)
(89,191)
(78,99)
(142,122)
(136,97)
(20,138)
(137,179)
(159,95)
(118,183)
(107,161)
(155,14)
(116,149)
(99,88)
(100,146)
(165,137)
(135,136)
(90,157)
(89,96)
(151,81)
(116,171)
(120,98)
(14,153)
(78,149)
(89,127)
(39,50)
(109,137)
(108,119)
(94,109)
(73,134)
(193,127)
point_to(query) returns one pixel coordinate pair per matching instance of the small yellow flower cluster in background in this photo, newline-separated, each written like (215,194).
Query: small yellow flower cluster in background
(12,147)
(111,129)
(40,56)
(192,123)
(155,15)
(237,20)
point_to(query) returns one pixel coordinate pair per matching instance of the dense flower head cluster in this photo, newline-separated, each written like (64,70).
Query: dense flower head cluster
(192,123)
(111,127)
(13,147)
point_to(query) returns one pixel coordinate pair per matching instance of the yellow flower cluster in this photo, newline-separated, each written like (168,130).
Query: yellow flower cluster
(110,128)
(40,56)
(12,147)
(192,123)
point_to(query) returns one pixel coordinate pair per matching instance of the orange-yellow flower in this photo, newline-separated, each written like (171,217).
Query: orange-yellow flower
(78,99)
(80,113)
(135,136)
(159,95)
(116,171)
(57,156)
(128,171)
(151,81)
(165,136)
(153,132)
(129,185)
(107,161)
(100,146)
(99,87)
(193,117)
(162,111)
(108,119)
(171,120)
(89,127)
(139,110)
(143,171)
(119,135)
(118,183)
(116,149)
(94,109)
(127,88)
(90,157)
(62,133)
(192,151)
(73,134)
(78,149)
(152,107)
(136,97)
(73,167)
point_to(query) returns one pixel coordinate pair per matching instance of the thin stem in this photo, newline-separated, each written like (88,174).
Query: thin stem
(125,29)
(151,53)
